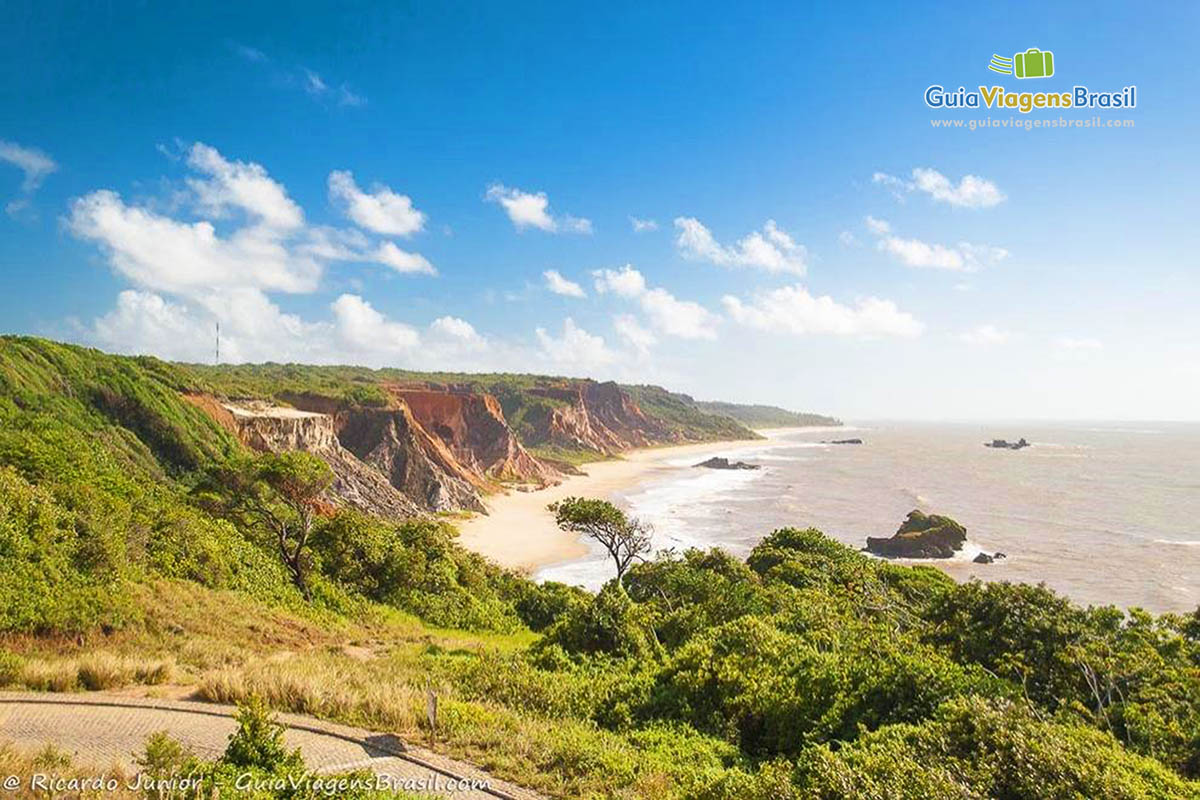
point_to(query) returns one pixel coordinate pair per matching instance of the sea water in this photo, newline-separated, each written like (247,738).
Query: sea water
(1104,513)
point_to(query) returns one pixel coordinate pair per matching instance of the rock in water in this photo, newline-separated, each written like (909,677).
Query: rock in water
(845,441)
(983,558)
(1004,444)
(718,462)
(921,536)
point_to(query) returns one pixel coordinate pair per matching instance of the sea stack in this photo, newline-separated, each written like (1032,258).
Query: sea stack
(921,536)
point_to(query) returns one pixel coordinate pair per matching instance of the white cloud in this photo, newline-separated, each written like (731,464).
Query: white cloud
(33,163)
(848,239)
(188,276)
(403,261)
(792,310)
(632,332)
(532,210)
(970,192)
(669,315)
(242,186)
(252,328)
(556,283)
(363,329)
(985,335)
(964,256)
(381,210)
(915,253)
(878,226)
(459,331)
(316,87)
(772,249)
(165,254)
(268,245)
(576,347)
(643,225)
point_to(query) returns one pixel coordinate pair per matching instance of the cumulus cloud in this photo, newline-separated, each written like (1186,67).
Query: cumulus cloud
(363,329)
(771,249)
(459,331)
(985,335)
(792,310)
(681,318)
(970,192)
(268,245)
(250,241)
(963,257)
(633,334)
(403,261)
(34,164)
(381,210)
(575,348)
(643,225)
(556,283)
(532,210)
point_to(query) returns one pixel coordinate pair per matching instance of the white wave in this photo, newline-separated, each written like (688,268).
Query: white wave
(1182,542)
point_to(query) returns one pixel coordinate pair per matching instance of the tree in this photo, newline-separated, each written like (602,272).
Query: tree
(624,538)
(281,492)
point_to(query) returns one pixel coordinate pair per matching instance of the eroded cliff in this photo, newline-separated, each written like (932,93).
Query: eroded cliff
(274,429)
(472,426)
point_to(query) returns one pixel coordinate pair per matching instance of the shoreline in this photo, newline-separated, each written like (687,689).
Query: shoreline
(518,531)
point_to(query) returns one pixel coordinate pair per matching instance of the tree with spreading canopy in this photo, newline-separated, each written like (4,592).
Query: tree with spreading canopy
(626,539)
(280,492)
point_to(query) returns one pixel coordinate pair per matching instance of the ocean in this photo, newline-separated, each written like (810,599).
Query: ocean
(1103,513)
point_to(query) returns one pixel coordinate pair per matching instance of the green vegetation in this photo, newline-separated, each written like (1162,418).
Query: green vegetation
(624,539)
(806,670)
(758,416)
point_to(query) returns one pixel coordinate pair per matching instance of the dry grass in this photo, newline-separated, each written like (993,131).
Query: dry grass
(52,761)
(93,672)
(323,685)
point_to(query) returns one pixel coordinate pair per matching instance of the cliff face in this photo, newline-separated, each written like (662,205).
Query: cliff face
(273,429)
(412,446)
(414,461)
(472,426)
(597,416)
(393,442)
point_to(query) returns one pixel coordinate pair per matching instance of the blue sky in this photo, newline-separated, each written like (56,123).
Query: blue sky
(388,186)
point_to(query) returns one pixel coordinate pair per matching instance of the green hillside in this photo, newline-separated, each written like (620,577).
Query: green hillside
(759,416)
(807,670)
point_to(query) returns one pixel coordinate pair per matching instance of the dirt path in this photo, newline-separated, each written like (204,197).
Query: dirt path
(105,729)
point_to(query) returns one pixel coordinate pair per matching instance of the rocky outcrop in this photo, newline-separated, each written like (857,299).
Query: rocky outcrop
(844,441)
(1004,444)
(274,429)
(921,536)
(472,426)
(720,462)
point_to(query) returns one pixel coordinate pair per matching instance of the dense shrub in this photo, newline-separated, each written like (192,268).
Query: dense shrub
(611,623)
(415,565)
(973,748)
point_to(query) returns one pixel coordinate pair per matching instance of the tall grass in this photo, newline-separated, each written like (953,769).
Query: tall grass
(92,672)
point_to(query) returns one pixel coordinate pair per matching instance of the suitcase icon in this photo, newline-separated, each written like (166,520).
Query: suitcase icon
(1034,63)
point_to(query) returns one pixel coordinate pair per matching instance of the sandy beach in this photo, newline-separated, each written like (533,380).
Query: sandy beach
(519,532)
